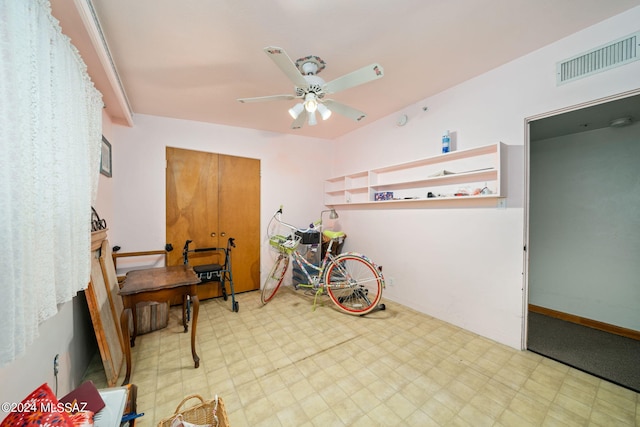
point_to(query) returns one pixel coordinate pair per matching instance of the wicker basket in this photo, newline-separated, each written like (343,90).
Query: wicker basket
(203,413)
(285,245)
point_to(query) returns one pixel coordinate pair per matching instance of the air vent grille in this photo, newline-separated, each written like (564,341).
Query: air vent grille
(603,58)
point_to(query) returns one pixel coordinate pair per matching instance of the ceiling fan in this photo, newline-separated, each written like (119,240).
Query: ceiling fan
(311,89)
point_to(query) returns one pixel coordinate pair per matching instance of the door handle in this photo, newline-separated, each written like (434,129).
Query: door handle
(223,234)
(213,234)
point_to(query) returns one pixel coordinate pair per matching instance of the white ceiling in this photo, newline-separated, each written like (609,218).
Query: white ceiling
(191,59)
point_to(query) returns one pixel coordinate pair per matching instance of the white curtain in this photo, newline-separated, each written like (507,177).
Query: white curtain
(50,136)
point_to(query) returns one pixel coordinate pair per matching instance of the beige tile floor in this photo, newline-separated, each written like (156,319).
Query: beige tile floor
(285,365)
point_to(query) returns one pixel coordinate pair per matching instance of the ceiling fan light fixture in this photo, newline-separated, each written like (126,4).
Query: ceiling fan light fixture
(310,102)
(296,110)
(312,119)
(620,122)
(324,111)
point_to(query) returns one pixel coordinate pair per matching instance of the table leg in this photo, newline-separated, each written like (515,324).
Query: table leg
(195,302)
(134,315)
(185,301)
(125,316)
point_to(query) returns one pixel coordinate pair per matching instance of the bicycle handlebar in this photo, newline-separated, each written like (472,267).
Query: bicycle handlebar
(278,217)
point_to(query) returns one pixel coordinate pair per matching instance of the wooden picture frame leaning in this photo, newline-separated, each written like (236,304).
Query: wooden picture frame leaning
(106,327)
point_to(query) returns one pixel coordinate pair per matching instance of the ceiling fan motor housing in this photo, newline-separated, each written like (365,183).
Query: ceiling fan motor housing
(314,85)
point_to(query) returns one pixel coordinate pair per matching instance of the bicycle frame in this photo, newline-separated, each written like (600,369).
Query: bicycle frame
(314,282)
(351,280)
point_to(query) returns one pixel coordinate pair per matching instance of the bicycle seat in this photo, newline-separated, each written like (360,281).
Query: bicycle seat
(333,234)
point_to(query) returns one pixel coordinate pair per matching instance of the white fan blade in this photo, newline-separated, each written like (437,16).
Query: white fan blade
(355,78)
(282,60)
(297,123)
(268,98)
(345,110)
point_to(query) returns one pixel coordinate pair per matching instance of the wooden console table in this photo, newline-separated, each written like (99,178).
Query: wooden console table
(161,284)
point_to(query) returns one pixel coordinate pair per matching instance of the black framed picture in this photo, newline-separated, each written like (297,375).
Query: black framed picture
(105,158)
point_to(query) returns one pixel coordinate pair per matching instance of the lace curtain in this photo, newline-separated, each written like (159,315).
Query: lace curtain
(50,136)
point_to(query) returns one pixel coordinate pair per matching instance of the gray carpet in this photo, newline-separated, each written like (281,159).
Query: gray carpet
(608,356)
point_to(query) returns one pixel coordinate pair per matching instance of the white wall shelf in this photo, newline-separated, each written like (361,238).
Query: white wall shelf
(455,175)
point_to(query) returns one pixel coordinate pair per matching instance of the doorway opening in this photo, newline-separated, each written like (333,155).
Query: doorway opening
(582,237)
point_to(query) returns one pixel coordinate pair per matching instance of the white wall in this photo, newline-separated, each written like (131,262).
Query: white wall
(292,170)
(585,225)
(465,265)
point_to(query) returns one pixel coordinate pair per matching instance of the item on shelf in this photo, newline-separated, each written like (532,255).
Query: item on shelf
(384,195)
(446,142)
(441,173)
(461,192)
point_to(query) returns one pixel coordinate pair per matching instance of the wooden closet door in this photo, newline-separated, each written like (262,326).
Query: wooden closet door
(239,208)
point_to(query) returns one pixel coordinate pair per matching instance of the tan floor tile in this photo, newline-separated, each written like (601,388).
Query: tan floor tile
(381,389)
(314,405)
(539,391)
(349,385)
(415,394)
(475,417)
(528,408)
(400,405)
(259,411)
(559,415)
(383,415)
(438,411)
(365,399)
(347,410)
(487,406)
(622,410)
(292,415)
(511,418)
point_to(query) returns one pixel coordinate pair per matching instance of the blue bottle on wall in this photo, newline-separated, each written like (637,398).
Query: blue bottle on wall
(446,142)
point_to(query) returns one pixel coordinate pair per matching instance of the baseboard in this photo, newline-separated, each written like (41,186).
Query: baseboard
(606,327)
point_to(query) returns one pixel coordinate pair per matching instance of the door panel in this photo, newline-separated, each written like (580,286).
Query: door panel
(239,207)
(192,202)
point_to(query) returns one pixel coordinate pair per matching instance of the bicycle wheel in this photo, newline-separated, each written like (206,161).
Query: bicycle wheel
(274,279)
(353,283)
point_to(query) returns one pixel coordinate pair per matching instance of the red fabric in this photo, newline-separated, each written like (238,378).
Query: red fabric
(38,409)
